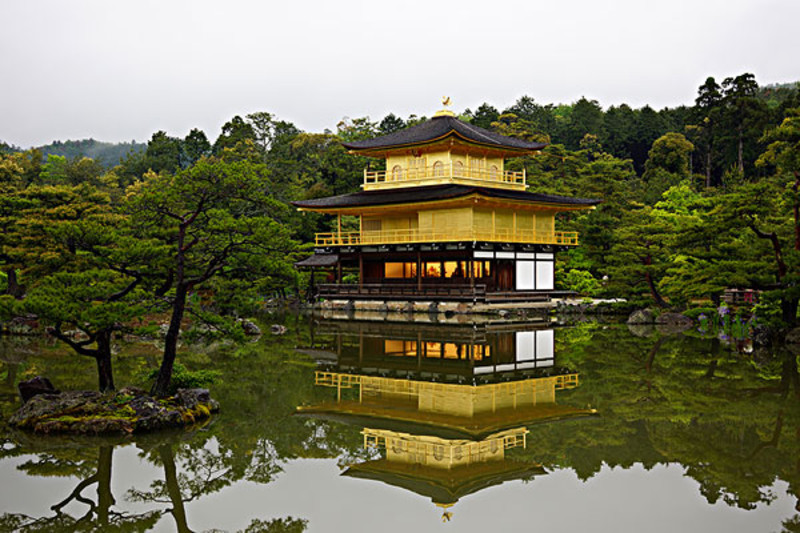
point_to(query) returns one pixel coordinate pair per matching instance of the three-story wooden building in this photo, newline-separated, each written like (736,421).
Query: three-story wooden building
(444,221)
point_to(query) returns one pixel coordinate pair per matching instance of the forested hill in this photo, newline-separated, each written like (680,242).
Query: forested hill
(105,153)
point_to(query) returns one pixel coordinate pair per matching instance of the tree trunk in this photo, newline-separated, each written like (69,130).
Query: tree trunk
(14,288)
(796,211)
(173,488)
(712,366)
(651,284)
(740,161)
(790,379)
(162,384)
(105,499)
(789,310)
(654,292)
(105,374)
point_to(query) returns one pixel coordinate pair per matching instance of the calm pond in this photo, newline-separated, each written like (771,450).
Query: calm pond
(377,426)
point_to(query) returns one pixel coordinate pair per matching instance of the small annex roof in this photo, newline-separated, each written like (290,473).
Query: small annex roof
(440,127)
(318,260)
(434,193)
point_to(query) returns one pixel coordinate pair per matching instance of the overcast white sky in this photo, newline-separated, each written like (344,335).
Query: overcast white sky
(121,70)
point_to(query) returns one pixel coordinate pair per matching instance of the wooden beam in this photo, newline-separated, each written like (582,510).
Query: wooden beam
(419,271)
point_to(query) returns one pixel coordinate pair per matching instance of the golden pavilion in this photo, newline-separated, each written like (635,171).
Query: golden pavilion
(444,221)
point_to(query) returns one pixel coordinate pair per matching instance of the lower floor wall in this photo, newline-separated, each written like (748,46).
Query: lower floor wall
(497,271)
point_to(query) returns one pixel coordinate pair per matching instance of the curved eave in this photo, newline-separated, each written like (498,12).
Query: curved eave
(445,426)
(444,486)
(448,202)
(379,151)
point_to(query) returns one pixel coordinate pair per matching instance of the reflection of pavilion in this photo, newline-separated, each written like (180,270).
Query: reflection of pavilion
(442,352)
(442,404)
(444,470)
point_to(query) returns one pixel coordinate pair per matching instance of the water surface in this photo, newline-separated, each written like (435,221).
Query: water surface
(353,425)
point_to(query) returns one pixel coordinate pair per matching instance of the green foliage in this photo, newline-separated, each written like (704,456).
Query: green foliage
(580,281)
(695,312)
(183,378)
(768,311)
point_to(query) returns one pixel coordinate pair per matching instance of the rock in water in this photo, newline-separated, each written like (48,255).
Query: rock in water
(34,387)
(191,398)
(277,329)
(793,337)
(641,316)
(129,410)
(673,319)
(44,405)
(250,327)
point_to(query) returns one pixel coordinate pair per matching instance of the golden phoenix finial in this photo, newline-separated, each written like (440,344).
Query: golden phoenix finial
(446,101)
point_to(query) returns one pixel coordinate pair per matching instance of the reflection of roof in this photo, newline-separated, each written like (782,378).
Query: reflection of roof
(444,486)
(409,419)
(434,193)
(318,260)
(441,331)
(438,128)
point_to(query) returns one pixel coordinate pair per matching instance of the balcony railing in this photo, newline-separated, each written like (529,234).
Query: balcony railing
(351,238)
(443,172)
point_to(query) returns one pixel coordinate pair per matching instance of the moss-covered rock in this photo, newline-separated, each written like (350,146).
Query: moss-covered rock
(126,411)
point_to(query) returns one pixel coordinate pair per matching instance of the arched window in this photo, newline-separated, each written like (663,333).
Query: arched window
(438,169)
(458,168)
(397,173)
(494,172)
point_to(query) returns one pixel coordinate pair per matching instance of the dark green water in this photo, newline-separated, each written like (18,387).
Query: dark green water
(688,434)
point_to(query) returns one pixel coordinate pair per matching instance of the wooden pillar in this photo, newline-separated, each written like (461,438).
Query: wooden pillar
(471,266)
(419,350)
(339,228)
(419,271)
(311,285)
(360,271)
(339,271)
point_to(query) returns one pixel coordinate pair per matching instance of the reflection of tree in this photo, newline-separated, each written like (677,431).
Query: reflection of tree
(99,514)
(277,525)
(732,424)
(203,472)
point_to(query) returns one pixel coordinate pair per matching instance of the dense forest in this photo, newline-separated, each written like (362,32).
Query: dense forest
(695,200)
(105,153)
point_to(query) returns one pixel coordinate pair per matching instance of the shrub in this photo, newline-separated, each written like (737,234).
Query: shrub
(182,378)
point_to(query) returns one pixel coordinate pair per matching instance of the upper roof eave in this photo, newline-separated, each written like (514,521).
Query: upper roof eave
(439,128)
(380,150)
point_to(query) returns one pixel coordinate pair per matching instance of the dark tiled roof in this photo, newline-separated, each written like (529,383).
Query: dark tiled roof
(318,260)
(433,193)
(439,127)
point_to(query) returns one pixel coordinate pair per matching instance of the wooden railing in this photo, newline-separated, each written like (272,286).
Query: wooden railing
(435,451)
(411,388)
(407,291)
(568,238)
(443,171)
